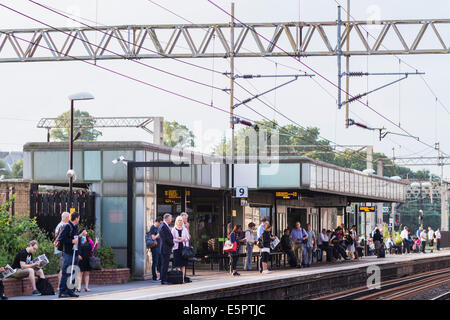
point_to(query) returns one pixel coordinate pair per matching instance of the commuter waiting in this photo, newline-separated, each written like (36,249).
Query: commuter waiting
(267,237)
(286,247)
(299,238)
(250,242)
(423,240)
(404,236)
(323,243)
(438,239)
(309,246)
(25,267)
(235,236)
(336,240)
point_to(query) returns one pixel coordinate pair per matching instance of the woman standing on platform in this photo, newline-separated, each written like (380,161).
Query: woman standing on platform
(235,236)
(180,238)
(266,239)
(86,250)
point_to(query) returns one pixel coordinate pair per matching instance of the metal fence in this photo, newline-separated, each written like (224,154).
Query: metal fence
(47,208)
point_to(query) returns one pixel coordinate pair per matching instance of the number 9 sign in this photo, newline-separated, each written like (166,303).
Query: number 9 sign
(241,192)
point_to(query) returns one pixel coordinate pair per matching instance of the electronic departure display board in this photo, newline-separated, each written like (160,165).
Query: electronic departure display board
(172,196)
(367,209)
(286,195)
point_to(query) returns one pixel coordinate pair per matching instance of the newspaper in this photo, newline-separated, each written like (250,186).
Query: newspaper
(42,259)
(8,272)
(274,243)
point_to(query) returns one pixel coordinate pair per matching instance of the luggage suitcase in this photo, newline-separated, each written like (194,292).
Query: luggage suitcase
(175,276)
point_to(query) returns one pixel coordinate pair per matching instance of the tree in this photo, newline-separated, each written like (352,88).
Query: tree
(88,133)
(17,170)
(4,171)
(177,135)
(294,135)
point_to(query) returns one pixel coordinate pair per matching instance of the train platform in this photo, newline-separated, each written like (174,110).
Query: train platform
(253,285)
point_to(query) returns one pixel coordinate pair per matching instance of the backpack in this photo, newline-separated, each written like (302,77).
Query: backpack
(59,245)
(149,242)
(45,287)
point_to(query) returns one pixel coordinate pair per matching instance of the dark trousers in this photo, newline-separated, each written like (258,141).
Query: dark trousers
(325,247)
(406,246)
(424,243)
(431,244)
(292,259)
(2,289)
(339,249)
(233,261)
(156,255)
(438,244)
(165,259)
(67,263)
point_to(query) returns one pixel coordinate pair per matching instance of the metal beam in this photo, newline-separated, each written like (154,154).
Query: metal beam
(193,41)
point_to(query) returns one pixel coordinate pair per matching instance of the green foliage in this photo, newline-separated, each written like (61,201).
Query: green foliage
(178,135)
(17,232)
(87,132)
(294,135)
(17,170)
(106,255)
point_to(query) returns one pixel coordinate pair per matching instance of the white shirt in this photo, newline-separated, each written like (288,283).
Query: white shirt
(404,234)
(249,237)
(437,234)
(423,236)
(323,238)
(430,234)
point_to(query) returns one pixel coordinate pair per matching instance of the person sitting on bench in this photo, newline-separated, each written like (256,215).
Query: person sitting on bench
(286,247)
(25,267)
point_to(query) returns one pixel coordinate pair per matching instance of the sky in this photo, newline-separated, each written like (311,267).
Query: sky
(31,91)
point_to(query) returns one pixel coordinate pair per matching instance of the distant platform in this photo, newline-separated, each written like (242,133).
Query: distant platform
(215,285)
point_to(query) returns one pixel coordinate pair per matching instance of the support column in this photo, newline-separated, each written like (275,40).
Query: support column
(380,204)
(444,206)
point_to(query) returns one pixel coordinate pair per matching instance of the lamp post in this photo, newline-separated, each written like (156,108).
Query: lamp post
(71,172)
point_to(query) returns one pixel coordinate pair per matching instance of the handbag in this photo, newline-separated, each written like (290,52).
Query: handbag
(187,252)
(229,247)
(94,263)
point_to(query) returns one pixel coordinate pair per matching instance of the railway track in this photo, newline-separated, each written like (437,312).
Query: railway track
(397,289)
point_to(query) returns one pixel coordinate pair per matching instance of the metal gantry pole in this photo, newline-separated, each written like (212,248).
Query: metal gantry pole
(339,54)
(347,66)
(231,102)
(71,153)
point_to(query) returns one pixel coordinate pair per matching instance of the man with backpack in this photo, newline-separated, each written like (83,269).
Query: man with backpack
(69,239)
(299,238)
(59,253)
(156,250)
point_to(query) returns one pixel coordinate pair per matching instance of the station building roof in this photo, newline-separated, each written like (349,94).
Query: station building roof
(47,162)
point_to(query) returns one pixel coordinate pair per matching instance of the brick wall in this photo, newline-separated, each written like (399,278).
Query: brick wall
(22,287)
(22,191)
(110,276)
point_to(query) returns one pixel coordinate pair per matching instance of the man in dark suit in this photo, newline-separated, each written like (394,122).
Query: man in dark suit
(166,246)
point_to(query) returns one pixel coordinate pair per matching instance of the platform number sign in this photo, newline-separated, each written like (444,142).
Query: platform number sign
(241,192)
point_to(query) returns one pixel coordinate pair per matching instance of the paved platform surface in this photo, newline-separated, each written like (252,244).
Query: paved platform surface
(213,280)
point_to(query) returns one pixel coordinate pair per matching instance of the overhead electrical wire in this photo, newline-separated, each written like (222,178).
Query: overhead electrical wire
(396,56)
(258,98)
(115,53)
(128,76)
(117,72)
